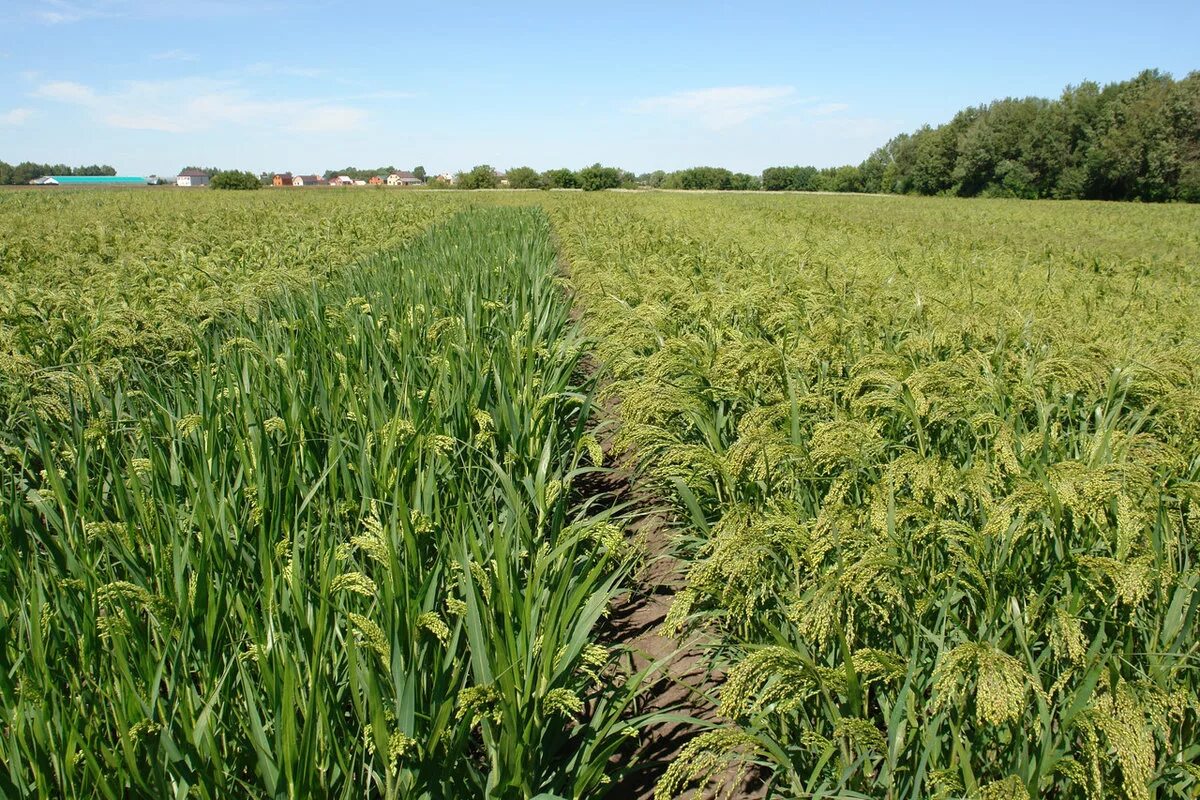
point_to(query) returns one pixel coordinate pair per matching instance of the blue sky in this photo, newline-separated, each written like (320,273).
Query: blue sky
(151,85)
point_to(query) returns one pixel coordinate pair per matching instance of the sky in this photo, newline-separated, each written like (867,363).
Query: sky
(151,86)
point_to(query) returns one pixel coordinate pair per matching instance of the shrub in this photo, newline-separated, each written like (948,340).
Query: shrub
(235,179)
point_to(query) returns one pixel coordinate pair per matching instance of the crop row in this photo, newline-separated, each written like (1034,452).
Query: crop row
(342,558)
(942,468)
(99,279)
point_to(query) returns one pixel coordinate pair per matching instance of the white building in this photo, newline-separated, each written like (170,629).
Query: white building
(192,177)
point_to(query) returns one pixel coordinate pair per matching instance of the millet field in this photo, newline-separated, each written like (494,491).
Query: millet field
(309,494)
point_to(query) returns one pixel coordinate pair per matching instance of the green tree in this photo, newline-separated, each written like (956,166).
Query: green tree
(420,173)
(716,178)
(480,177)
(524,178)
(743,182)
(235,179)
(596,178)
(845,179)
(790,179)
(560,179)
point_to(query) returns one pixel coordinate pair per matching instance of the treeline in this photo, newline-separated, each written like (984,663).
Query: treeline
(710,178)
(593,178)
(26,171)
(366,174)
(1133,140)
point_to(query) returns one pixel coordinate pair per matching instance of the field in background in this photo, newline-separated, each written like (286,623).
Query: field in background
(97,278)
(308,524)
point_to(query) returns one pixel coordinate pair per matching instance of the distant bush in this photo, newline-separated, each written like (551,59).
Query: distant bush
(717,178)
(235,179)
(596,177)
(524,178)
(560,179)
(480,177)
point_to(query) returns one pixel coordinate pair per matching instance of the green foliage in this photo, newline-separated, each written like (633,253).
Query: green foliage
(419,172)
(234,179)
(654,180)
(524,178)
(942,518)
(597,178)
(340,558)
(1133,140)
(790,179)
(711,178)
(480,177)
(560,179)
(100,280)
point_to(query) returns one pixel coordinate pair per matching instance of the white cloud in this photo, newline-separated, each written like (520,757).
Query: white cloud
(188,105)
(329,119)
(386,94)
(826,109)
(67,92)
(262,68)
(173,55)
(723,106)
(62,12)
(144,122)
(311,115)
(16,116)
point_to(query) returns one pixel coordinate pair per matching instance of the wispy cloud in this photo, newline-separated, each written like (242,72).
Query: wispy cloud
(66,92)
(264,68)
(723,106)
(62,12)
(16,116)
(386,94)
(827,109)
(188,105)
(173,55)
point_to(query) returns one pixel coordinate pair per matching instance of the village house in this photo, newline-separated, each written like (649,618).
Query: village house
(403,179)
(192,177)
(341,180)
(376,180)
(282,179)
(309,180)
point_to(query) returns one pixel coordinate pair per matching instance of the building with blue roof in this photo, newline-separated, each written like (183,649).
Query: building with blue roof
(89,180)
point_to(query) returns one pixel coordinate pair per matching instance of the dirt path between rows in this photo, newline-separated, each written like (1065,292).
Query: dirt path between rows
(685,686)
